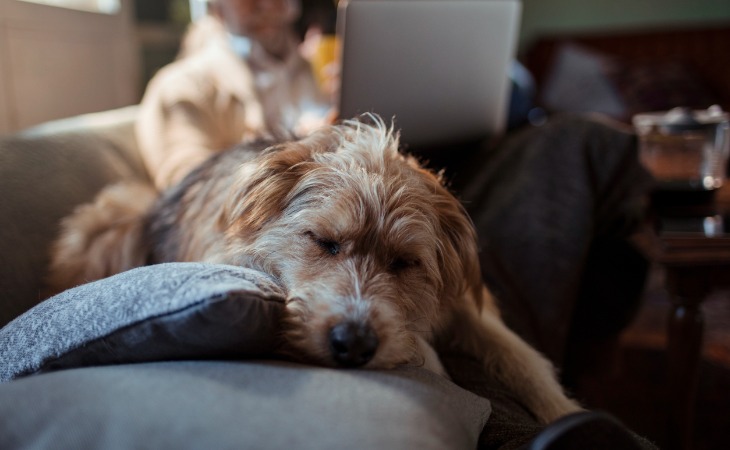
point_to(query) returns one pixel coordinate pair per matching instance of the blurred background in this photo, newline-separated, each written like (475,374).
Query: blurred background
(60,58)
(64,57)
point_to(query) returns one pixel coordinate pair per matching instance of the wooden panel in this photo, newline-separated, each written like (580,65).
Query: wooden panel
(57,76)
(58,62)
(704,48)
(4,83)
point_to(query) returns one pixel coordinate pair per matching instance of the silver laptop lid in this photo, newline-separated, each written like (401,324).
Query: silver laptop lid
(440,68)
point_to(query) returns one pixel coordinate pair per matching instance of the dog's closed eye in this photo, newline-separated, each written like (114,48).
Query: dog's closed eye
(329,246)
(400,264)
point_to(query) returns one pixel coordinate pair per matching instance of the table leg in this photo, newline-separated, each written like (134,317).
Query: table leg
(685,330)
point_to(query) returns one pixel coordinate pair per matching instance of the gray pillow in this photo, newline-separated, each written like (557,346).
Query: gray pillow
(238,405)
(161,312)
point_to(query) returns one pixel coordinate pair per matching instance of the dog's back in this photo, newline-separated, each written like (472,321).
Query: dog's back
(130,224)
(183,224)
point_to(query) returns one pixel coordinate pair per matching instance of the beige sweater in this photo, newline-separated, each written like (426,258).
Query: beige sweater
(210,99)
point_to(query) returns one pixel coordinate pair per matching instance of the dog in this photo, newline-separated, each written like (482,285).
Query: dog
(378,258)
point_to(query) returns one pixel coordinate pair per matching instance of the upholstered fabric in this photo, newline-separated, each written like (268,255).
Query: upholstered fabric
(554,207)
(161,312)
(238,405)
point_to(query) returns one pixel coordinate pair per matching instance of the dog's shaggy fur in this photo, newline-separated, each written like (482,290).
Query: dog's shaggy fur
(377,257)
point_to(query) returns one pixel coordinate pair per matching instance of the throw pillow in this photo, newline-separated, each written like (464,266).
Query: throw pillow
(162,312)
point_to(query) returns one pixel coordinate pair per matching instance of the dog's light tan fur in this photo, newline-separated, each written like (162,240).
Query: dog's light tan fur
(356,232)
(111,222)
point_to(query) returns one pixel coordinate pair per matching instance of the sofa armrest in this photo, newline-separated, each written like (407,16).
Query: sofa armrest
(45,172)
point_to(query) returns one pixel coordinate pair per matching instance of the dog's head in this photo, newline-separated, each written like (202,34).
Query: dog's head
(372,248)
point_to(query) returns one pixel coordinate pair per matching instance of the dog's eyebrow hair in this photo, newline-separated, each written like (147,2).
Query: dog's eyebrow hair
(357,280)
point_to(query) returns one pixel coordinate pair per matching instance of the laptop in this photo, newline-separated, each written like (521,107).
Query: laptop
(439,68)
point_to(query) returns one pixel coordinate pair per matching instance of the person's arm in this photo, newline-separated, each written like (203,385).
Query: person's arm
(185,118)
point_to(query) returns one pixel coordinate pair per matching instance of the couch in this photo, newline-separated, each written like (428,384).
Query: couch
(157,357)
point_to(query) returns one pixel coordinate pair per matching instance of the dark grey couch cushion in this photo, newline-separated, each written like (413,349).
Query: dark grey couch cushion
(162,312)
(238,405)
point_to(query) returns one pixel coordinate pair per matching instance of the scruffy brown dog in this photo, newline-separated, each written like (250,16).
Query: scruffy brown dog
(379,260)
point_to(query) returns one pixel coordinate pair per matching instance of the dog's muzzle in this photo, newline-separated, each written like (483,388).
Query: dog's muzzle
(353,344)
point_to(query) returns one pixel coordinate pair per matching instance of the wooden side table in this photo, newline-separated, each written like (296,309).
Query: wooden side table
(696,263)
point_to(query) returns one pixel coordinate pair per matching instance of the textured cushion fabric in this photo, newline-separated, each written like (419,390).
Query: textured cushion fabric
(554,207)
(238,405)
(161,312)
(44,173)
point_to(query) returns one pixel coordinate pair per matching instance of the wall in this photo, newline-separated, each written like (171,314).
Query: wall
(57,62)
(570,16)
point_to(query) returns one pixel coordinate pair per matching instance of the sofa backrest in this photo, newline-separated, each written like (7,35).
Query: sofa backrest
(45,172)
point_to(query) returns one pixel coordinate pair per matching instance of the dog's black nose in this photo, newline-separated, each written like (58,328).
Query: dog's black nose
(353,344)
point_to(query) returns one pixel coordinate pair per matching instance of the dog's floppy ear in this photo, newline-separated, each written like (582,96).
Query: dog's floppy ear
(262,189)
(459,255)
(260,193)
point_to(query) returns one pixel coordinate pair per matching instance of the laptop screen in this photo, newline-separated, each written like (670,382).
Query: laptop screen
(438,68)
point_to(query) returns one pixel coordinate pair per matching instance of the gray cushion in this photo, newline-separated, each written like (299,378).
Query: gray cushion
(238,405)
(167,311)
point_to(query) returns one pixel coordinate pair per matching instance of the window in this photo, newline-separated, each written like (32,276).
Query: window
(98,6)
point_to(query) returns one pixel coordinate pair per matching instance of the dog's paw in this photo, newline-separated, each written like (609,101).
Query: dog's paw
(550,410)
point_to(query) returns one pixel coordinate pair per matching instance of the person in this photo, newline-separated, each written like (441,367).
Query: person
(239,76)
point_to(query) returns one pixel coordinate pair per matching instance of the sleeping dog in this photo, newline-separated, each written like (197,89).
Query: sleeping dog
(378,258)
